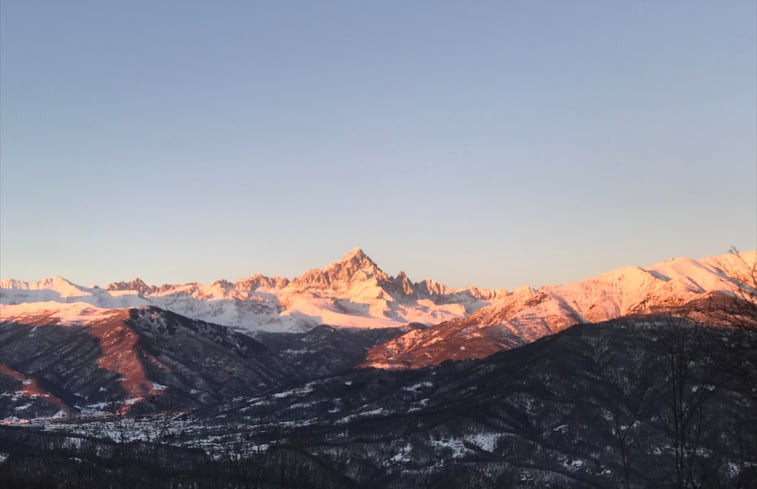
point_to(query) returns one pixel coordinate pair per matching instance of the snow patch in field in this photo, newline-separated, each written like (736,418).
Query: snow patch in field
(574,464)
(454,444)
(306,389)
(417,387)
(403,455)
(485,441)
(372,412)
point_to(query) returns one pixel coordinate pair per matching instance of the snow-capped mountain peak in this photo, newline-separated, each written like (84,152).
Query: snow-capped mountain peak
(56,283)
(136,284)
(527,314)
(258,281)
(354,267)
(355,292)
(351,292)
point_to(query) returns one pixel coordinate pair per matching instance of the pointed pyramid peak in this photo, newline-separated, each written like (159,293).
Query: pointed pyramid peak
(356,252)
(355,266)
(356,258)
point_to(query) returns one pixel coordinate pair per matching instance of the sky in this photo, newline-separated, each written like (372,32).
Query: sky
(494,144)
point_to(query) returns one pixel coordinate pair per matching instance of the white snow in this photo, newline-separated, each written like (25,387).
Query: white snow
(403,455)
(361,414)
(353,292)
(306,389)
(454,444)
(573,463)
(528,314)
(418,386)
(64,313)
(485,441)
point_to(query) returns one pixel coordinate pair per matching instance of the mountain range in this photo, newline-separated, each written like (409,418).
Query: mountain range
(354,293)
(527,314)
(351,292)
(349,377)
(120,341)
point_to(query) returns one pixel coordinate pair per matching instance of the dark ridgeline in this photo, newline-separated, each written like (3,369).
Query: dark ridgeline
(649,401)
(143,360)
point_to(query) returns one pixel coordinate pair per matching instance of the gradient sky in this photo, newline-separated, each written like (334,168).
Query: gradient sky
(490,143)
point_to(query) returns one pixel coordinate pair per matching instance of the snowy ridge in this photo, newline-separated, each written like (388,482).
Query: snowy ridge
(527,314)
(52,312)
(355,292)
(351,292)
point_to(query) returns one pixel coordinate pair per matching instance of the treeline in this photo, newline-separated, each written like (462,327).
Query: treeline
(146,466)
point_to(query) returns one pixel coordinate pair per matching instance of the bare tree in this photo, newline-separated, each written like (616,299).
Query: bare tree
(700,394)
(738,311)
(630,397)
(682,395)
(737,308)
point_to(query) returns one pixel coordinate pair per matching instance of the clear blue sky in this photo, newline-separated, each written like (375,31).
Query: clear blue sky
(491,143)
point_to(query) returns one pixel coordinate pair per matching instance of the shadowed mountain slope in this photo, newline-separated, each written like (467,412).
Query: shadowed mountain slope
(76,358)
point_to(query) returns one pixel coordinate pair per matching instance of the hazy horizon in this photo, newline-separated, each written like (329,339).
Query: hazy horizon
(495,145)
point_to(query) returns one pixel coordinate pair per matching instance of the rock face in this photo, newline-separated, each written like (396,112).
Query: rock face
(527,314)
(354,270)
(72,358)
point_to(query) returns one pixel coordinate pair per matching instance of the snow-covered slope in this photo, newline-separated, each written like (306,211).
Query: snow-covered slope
(355,292)
(528,314)
(351,292)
